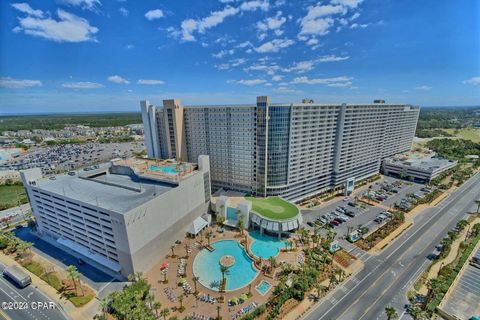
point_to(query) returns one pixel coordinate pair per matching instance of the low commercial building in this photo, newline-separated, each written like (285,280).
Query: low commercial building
(419,170)
(272,215)
(121,216)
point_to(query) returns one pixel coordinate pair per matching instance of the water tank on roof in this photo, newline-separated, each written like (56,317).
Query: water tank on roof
(378,101)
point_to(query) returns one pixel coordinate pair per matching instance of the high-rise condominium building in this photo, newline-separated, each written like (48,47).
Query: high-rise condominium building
(290,150)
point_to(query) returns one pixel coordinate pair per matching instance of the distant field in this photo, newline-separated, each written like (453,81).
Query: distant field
(59,121)
(467,134)
(11,196)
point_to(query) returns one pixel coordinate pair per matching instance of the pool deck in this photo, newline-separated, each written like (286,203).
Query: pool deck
(190,302)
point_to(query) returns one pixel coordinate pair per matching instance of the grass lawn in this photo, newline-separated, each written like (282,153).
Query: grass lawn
(82,300)
(466,133)
(12,196)
(273,208)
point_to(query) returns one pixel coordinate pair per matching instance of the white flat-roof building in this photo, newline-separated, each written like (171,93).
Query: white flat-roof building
(124,215)
(293,150)
(420,170)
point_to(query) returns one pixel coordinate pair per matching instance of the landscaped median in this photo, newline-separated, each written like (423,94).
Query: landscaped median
(437,287)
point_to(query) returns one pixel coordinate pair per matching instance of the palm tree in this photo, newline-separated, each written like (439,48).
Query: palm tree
(432,285)
(180,299)
(220,220)
(165,313)
(391,313)
(224,271)
(416,312)
(249,289)
(209,236)
(73,274)
(478,205)
(172,247)
(156,306)
(195,279)
(320,290)
(186,250)
(104,307)
(240,225)
(272,261)
(218,312)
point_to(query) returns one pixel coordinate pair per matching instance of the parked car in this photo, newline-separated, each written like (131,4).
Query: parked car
(310,224)
(352,204)
(350,214)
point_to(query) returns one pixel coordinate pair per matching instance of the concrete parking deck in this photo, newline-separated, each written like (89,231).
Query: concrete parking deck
(463,299)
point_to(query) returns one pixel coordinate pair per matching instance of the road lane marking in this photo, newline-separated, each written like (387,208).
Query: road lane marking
(399,246)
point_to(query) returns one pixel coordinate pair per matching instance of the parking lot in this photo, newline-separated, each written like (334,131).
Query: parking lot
(361,215)
(463,301)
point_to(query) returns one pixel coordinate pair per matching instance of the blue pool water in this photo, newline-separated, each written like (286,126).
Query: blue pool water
(166,169)
(265,246)
(206,266)
(232,214)
(263,287)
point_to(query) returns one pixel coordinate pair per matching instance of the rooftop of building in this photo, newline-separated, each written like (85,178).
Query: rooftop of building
(427,163)
(168,170)
(115,192)
(274,208)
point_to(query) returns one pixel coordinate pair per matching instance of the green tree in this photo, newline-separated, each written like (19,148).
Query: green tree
(218,312)
(391,312)
(165,313)
(195,280)
(74,275)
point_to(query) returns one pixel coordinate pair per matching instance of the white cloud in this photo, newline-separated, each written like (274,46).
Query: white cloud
(356,26)
(84,4)
(251,82)
(319,19)
(475,81)
(129,46)
(301,66)
(354,16)
(336,81)
(274,45)
(69,27)
(154,14)
(270,69)
(231,64)
(117,79)
(272,23)
(352,4)
(82,85)
(223,53)
(150,82)
(25,8)
(277,78)
(7,82)
(254,5)
(332,58)
(189,26)
(284,89)
(244,44)
(423,88)
(124,11)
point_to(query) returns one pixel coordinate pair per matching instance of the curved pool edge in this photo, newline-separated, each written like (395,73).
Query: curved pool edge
(257,271)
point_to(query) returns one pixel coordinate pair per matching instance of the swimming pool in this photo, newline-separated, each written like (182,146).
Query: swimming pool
(232,214)
(167,169)
(265,246)
(263,287)
(206,266)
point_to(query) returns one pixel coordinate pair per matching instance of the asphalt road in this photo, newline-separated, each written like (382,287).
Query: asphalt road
(27,303)
(387,276)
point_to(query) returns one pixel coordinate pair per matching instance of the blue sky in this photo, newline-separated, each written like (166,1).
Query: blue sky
(98,55)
